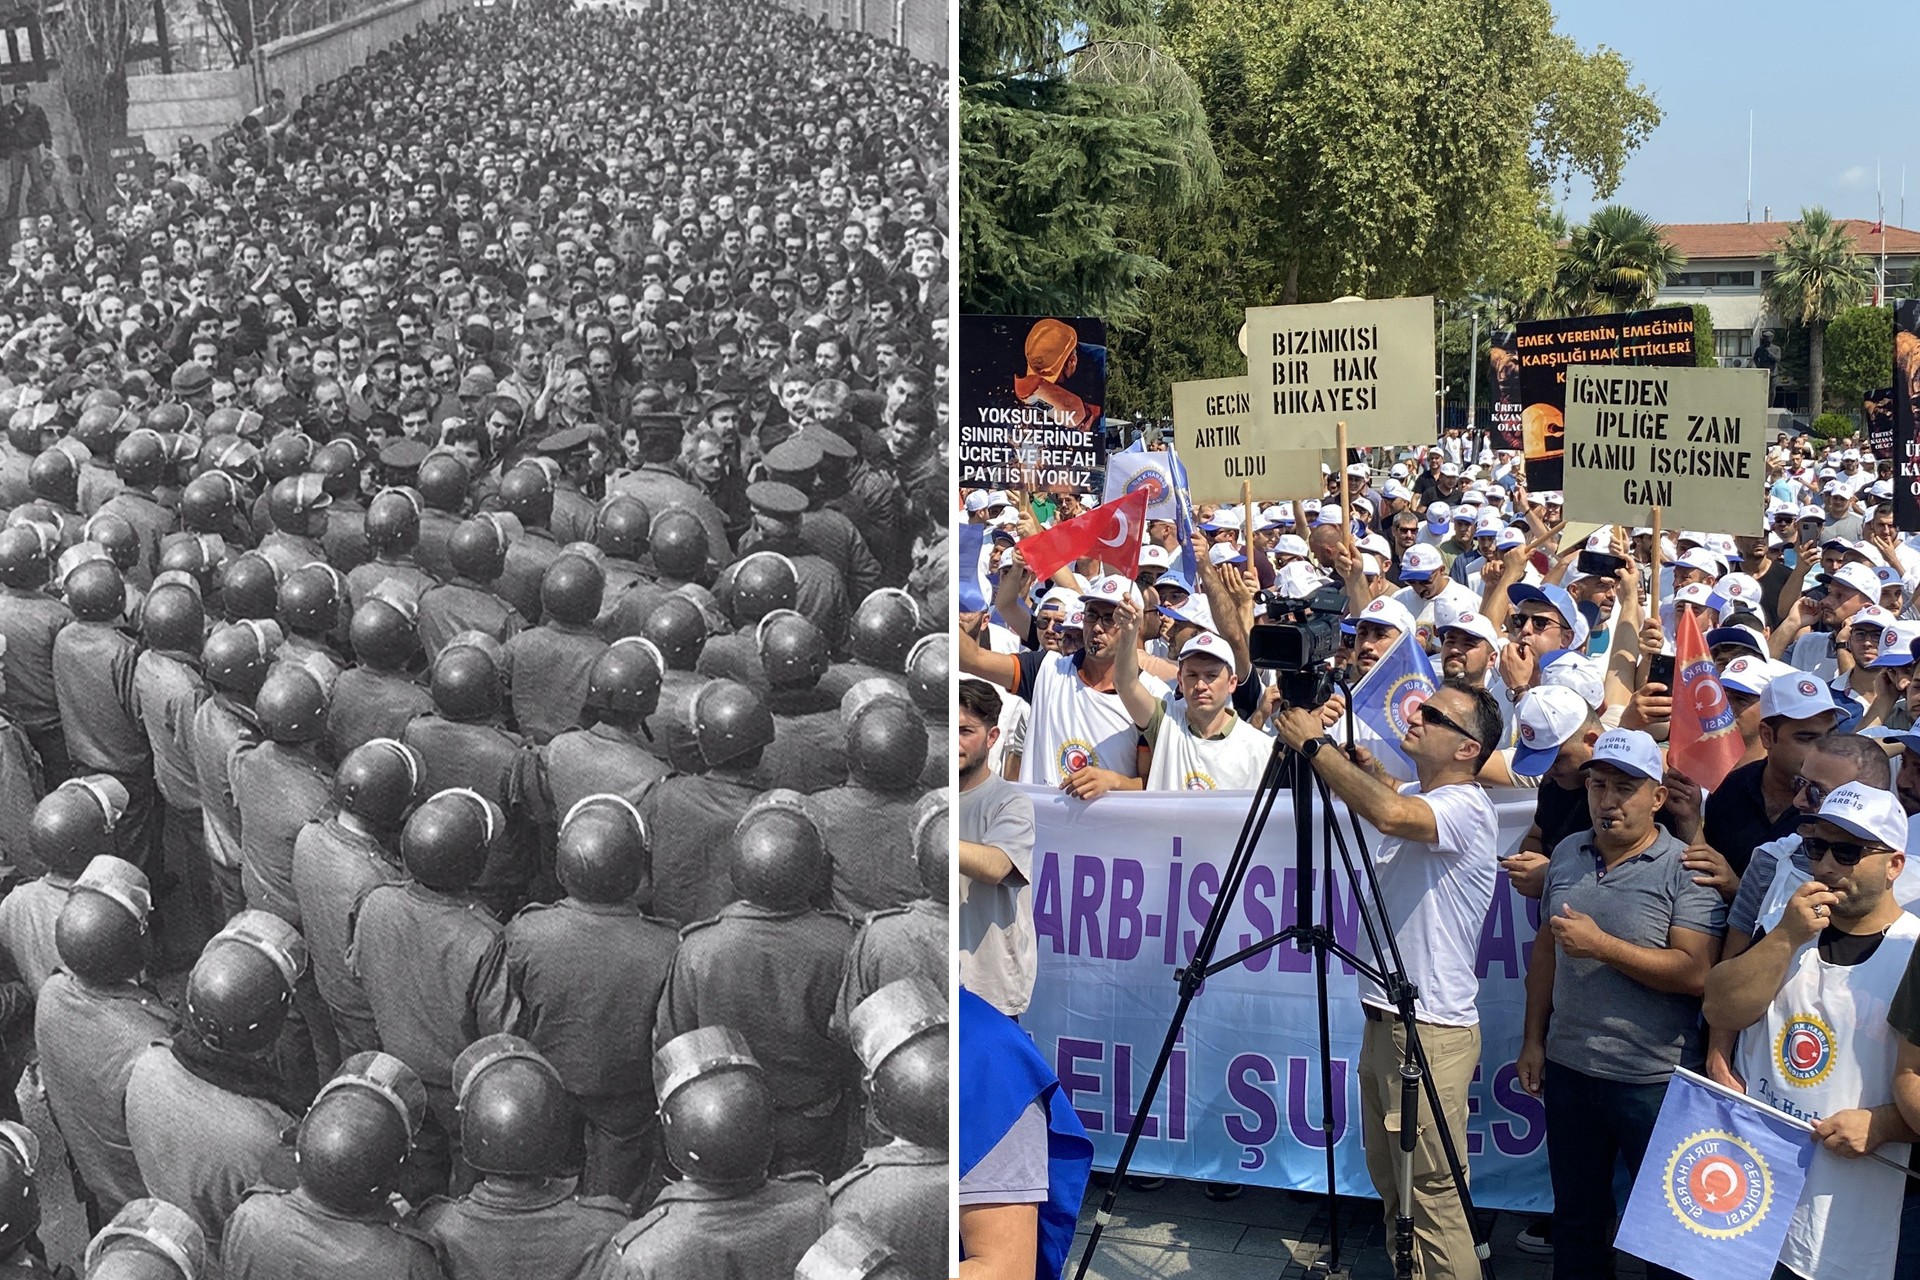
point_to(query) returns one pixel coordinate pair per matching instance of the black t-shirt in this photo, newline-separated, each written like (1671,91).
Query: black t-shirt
(1735,821)
(1560,812)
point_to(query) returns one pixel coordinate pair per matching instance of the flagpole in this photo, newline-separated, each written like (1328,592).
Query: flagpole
(1246,520)
(1346,506)
(1653,577)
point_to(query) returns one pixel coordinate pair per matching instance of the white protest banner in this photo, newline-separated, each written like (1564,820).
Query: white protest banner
(1221,447)
(1691,441)
(1121,889)
(1368,364)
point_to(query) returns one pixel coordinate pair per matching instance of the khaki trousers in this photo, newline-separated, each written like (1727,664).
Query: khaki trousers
(1443,1239)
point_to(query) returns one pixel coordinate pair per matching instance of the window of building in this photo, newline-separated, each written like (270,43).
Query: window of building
(1710,280)
(1732,344)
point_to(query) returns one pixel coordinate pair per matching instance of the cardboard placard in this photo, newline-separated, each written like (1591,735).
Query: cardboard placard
(1368,364)
(1691,441)
(1032,391)
(1220,447)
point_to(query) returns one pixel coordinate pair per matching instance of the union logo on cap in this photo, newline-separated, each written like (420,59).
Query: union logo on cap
(1526,732)
(1808,687)
(1889,639)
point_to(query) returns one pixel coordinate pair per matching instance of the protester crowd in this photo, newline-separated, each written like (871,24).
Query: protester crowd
(473,639)
(1747,926)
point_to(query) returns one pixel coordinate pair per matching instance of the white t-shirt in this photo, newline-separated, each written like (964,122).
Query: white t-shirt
(1183,761)
(1437,898)
(1074,726)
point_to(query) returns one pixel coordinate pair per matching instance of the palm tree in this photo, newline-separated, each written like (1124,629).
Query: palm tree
(1817,274)
(1618,261)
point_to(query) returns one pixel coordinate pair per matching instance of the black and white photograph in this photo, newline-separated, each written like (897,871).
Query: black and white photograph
(474,639)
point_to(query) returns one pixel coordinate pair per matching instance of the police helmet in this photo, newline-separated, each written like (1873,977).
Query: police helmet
(679,542)
(716,1114)
(294,504)
(250,587)
(572,589)
(173,617)
(19,1201)
(779,856)
(527,492)
(677,629)
(237,656)
(516,1118)
(358,1133)
(448,839)
(899,1034)
(310,598)
(731,721)
(465,682)
(148,1240)
(884,627)
(393,521)
(95,591)
(101,931)
(444,482)
(140,460)
(793,652)
(625,679)
(385,632)
(763,583)
(602,853)
(886,736)
(291,705)
(477,549)
(241,987)
(379,782)
(620,527)
(928,665)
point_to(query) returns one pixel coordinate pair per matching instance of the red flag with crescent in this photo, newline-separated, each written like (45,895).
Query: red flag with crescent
(1111,532)
(1703,741)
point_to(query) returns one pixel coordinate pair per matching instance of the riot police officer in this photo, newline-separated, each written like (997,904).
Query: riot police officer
(522,1218)
(592,961)
(548,664)
(909,941)
(297,506)
(677,629)
(21,1253)
(927,668)
(235,660)
(72,825)
(867,821)
(337,1224)
(30,618)
(469,600)
(899,1189)
(281,784)
(727,1217)
(609,753)
(526,492)
(693,817)
(393,531)
(620,531)
(376,696)
(770,966)
(757,585)
(444,485)
(93,682)
(808,752)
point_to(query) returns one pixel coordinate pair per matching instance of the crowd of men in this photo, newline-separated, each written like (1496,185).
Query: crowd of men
(1754,929)
(472,629)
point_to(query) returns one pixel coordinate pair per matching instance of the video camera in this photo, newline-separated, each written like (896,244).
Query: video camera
(1296,637)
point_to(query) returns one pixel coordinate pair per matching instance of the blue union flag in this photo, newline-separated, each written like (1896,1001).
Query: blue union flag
(1719,1183)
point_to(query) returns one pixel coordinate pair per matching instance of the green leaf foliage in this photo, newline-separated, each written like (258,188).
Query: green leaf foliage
(1703,336)
(1819,272)
(1833,426)
(1859,351)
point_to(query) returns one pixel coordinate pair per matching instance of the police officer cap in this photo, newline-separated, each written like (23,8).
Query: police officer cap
(565,441)
(358,1132)
(716,1114)
(19,1201)
(930,853)
(830,443)
(236,657)
(899,1034)
(884,627)
(403,455)
(241,988)
(849,1251)
(779,854)
(515,1116)
(380,781)
(773,498)
(148,1229)
(928,664)
(101,931)
(759,584)
(794,459)
(729,720)
(602,852)
(74,823)
(448,839)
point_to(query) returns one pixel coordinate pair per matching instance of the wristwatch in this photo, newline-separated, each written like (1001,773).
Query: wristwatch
(1311,747)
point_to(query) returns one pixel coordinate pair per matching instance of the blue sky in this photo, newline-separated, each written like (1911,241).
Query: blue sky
(1823,81)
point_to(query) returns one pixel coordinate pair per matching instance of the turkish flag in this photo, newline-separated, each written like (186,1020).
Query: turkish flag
(1702,740)
(1112,531)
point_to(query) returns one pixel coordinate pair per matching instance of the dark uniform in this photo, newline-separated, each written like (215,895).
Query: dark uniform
(549,665)
(497,764)
(905,942)
(201,1146)
(696,1232)
(89,1038)
(220,728)
(821,593)
(280,789)
(167,693)
(333,868)
(150,522)
(495,1232)
(672,734)
(403,576)
(288,1235)
(831,536)
(899,1191)
(430,552)
(93,679)
(691,820)
(629,597)
(419,955)
(29,620)
(733,657)
(575,970)
(464,605)
(809,751)
(774,977)
(345,537)
(573,512)
(526,568)
(288,551)
(27,917)
(602,760)
(869,837)
(659,487)
(368,703)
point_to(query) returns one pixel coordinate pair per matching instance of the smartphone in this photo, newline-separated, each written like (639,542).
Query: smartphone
(1660,670)
(1599,564)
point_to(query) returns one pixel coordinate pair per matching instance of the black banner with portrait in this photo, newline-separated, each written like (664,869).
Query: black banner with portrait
(1906,409)
(1544,349)
(1504,359)
(1878,407)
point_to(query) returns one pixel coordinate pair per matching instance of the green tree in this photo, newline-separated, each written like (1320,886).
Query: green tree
(1818,273)
(1703,356)
(1618,260)
(1056,142)
(95,37)
(1380,150)
(1859,354)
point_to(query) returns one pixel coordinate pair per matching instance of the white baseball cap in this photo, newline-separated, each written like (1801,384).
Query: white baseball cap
(1571,670)
(1508,538)
(1194,610)
(1702,559)
(1857,577)
(1630,751)
(1207,645)
(1474,623)
(1224,518)
(977,500)
(1867,812)
(1798,698)
(1751,675)
(1437,515)
(1449,469)
(1225,553)
(1696,593)
(1155,556)
(1112,589)
(1291,544)
(1488,525)
(1388,612)
(1737,588)
(1420,563)
(1547,718)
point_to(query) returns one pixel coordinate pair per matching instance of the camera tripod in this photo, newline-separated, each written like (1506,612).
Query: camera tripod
(1286,769)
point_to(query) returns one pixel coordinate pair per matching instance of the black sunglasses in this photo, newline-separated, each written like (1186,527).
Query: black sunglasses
(1845,852)
(1429,716)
